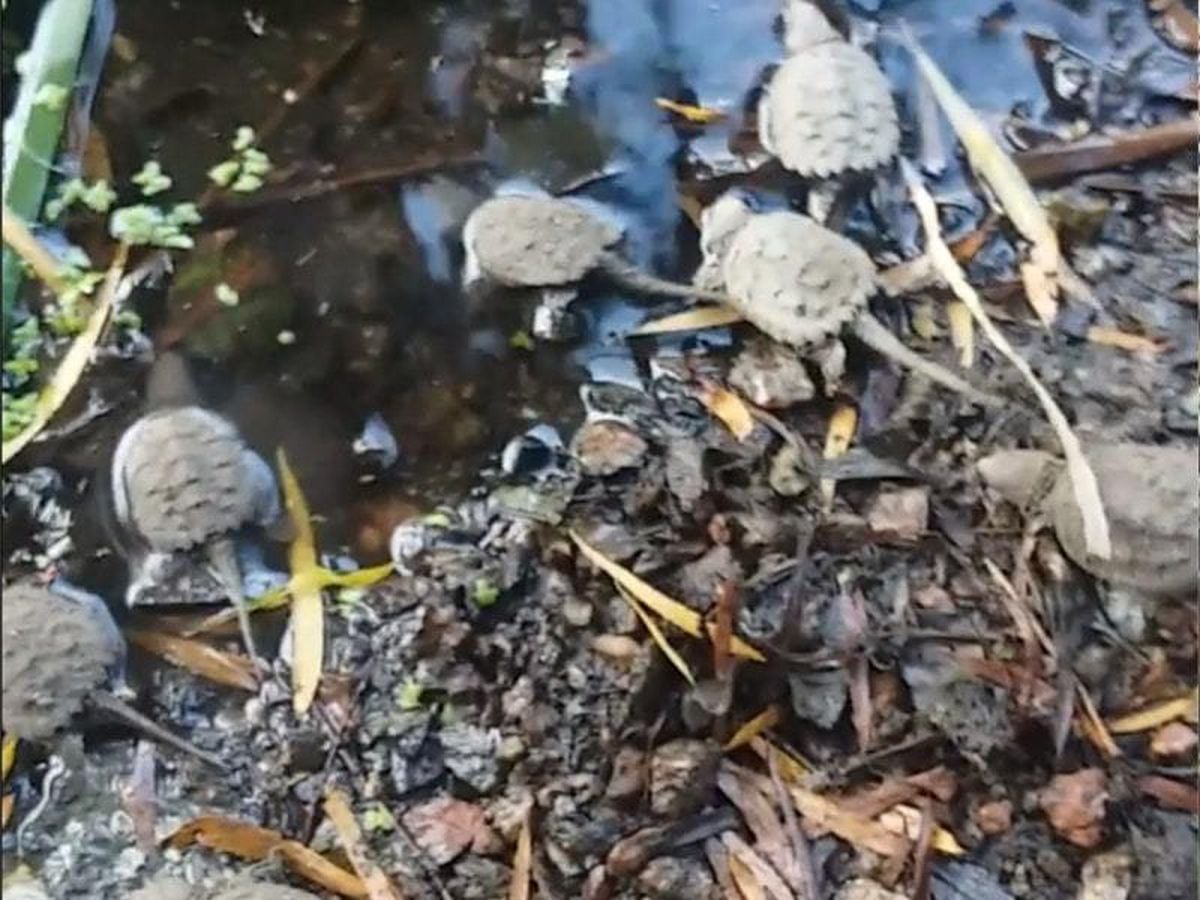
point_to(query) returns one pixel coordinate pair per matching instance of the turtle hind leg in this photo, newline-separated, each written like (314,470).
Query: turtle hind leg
(223,557)
(872,332)
(631,277)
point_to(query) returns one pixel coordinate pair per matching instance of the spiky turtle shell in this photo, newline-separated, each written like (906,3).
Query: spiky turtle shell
(184,476)
(827,110)
(521,241)
(795,281)
(56,652)
(1151,496)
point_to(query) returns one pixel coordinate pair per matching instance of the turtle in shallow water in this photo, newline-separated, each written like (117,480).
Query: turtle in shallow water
(544,242)
(827,109)
(184,479)
(1151,497)
(802,284)
(63,656)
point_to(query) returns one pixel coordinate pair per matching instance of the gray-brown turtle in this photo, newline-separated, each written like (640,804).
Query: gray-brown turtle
(802,284)
(63,656)
(184,479)
(827,109)
(1151,496)
(539,242)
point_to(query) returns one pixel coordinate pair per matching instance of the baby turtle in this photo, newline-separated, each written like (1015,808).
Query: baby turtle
(183,478)
(1151,496)
(538,242)
(802,284)
(827,109)
(63,655)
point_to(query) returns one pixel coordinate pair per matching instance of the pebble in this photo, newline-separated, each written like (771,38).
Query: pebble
(676,878)
(605,447)
(682,775)
(900,513)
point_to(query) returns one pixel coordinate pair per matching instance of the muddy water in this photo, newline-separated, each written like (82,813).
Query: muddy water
(366,280)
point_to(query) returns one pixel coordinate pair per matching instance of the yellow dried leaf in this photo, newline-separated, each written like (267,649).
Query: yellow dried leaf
(906,820)
(74,362)
(1123,340)
(308,611)
(1093,726)
(1151,717)
(230,669)
(691,320)
(522,867)
(768,718)
(302,554)
(792,769)
(1083,480)
(658,637)
(700,115)
(374,879)
(6,808)
(962,332)
(1014,193)
(838,436)
(825,814)
(254,843)
(731,409)
(682,617)
(8,755)
(743,877)
(360,578)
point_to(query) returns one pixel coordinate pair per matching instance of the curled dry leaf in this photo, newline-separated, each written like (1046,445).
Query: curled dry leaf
(731,409)
(1151,717)
(1002,175)
(1074,803)
(691,320)
(699,115)
(230,669)
(768,718)
(254,843)
(350,836)
(1083,479)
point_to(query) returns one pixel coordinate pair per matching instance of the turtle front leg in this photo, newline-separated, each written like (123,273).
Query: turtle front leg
(146,571)
(830,358)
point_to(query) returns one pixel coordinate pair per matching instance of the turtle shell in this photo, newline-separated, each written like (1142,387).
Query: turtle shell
(536,241)
(827,110)
(56,652)
(1151,496)
(184,476)
(796,281)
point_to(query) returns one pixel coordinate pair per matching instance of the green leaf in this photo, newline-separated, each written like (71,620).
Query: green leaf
(408,695)
(222,174)
(484,593)
(244,138)
(151,179)
(246,183)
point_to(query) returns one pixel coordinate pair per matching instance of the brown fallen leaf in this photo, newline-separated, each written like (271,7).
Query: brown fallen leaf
(699,115)
(682,617)
(350,836)
(731,409)
(907,820)
(254,843)
(768,718)
(6,808)
(1171,794)
(230,669)
(1051,162)
(1074,803)
(1176,22)
(1124,340)
(522,868)
(444,827)
(1151,717)
(691,320)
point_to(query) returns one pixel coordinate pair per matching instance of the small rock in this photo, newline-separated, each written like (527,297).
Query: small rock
(685,471)
(700,579)
(787,476)
(770,375)
(628,774)
(159,888)
(675,878)
(994,817)
(902,513)
(478,878)
(865,889)
(1074,803)
(604,447)
(444,827)
(1107,876)
(1172,740)
(682,775)
(577,613)
(470,754)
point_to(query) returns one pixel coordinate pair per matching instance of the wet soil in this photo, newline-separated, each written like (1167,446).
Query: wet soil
(499,672)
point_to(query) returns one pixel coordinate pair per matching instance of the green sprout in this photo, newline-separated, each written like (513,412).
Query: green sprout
(149,225)
(378,817)
(243,172)
(152,179)
(98,197)
(484,593)
(226,295)
(408,695)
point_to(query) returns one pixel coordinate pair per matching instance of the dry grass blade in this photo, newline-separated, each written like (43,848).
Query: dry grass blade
(254,843)
(229,669)
(522,868)
(792,769)
(768,718)
(350,835)
(1124,340)
(962,332)
(74,361)
(824,814)
(1159,714)
(22,241)
(6,808)
(1003,176)
(8,755)
(1093,726)
(761,873)
(731,409)
(658,637)
(743,878)
(1029,628)
(308,611)
(691,320)
(1083,480)
(682,617)
(906,820)
(699,115)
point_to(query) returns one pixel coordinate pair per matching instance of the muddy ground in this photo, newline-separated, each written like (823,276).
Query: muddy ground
(499,677)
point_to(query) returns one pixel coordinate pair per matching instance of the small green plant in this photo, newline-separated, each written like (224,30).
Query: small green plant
(408,695)
(151,179)
(378,818)
(244,171)
(484,593)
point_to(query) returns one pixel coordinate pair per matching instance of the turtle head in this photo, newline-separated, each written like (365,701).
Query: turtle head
(804,26)
(170,382)
(720,221)
(1018,476)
